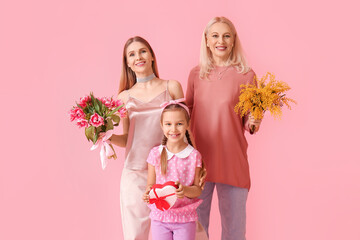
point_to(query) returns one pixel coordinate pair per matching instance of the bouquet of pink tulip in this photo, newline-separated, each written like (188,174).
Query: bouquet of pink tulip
(99,116)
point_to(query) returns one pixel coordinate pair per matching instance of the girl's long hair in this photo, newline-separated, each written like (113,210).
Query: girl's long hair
(128,77)
(236,58)
(163,159)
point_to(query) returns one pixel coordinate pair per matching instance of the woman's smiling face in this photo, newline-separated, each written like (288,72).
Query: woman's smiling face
(220,41)
(139,59)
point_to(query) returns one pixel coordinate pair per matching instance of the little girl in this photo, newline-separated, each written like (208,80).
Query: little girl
(175,160)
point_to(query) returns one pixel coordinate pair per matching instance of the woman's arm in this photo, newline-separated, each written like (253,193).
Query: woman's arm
(190,92)
(249,122)
(202,174)
(190,103)
(121,140)
(150,182)
(175,89)
(192,191)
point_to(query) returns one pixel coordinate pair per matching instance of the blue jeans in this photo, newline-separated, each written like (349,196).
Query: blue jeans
(232,207)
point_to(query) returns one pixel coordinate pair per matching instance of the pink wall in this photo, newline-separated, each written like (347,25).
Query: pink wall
(305,168)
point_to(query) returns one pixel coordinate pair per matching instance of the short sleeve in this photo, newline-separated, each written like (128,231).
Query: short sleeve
(152,156)
(250,77)
(198,159)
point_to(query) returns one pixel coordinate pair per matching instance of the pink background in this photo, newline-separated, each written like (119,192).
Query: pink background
(304,168)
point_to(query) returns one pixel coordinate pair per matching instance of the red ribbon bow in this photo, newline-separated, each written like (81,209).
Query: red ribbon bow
(160,202)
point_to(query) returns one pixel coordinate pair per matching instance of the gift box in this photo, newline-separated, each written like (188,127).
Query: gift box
(163,195)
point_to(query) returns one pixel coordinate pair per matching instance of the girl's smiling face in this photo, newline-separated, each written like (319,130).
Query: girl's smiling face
(220,41)
(139,59)
(174,126)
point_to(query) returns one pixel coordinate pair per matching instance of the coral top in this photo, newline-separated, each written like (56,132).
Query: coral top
(218,131)
(181,167)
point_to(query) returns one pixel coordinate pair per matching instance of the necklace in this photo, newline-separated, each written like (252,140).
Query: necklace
(145,79)
(221,74)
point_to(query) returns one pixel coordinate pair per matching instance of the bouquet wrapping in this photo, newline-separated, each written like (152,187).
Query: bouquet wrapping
(98,116)
(256,99)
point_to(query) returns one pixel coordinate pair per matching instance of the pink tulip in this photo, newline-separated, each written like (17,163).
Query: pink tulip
(76,113)
(84,101)
(96,120)
(122,112)
(72,115)
(118,103)
(108,102)
(82,123)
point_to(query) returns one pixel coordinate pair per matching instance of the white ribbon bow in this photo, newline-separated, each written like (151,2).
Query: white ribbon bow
(106,150)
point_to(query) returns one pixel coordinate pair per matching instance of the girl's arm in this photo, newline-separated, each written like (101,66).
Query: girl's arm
(150,181)
(192,191)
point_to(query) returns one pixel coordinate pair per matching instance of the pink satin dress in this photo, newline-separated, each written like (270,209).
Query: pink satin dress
(144,134)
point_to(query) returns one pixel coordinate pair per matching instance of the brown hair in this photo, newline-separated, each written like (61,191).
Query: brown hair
(128,77)
(163,156)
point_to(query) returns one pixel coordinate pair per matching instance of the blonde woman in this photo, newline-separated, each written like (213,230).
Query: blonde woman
(213,90)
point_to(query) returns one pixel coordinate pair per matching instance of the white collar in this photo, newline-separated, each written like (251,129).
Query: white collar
(182,154)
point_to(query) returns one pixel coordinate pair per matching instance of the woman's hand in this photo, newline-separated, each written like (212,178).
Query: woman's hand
(254,124)
(203,174)
(101,136)
(146,197)
(180,193)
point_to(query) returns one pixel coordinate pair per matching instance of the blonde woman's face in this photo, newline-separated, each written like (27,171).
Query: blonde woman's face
(220,41)
(139,59)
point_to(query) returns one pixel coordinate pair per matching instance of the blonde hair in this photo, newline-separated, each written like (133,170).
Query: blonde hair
(128,77)
(163,156)
(236,58)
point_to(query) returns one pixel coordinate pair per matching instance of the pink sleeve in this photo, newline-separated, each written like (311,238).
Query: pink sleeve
(190,91)
(198,160)
(251,78)
(152,157)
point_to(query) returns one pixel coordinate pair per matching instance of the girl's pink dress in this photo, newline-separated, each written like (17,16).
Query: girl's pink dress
(181,167)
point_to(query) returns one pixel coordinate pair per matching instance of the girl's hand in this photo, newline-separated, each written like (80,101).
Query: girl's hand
(180,191)
(203,174)
(254,122)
